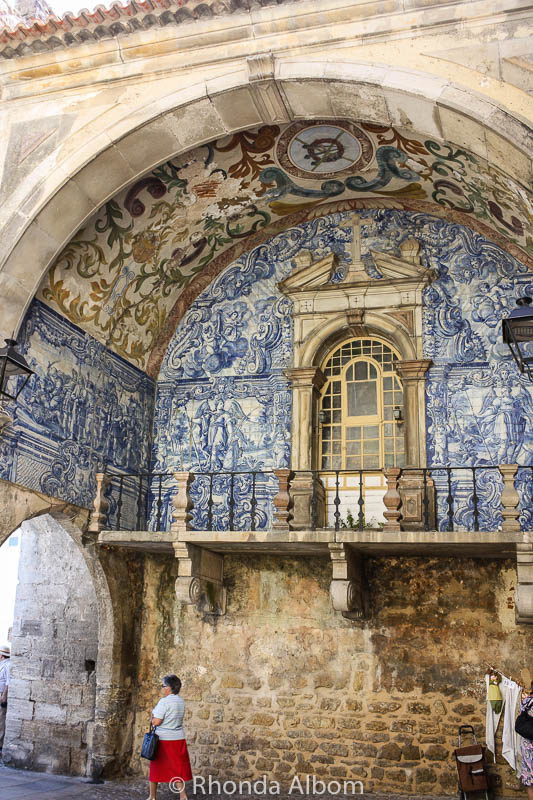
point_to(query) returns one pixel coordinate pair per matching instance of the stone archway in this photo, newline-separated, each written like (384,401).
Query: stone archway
(74,181)
(98,729)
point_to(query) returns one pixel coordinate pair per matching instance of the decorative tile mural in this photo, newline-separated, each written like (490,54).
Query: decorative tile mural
(223,404)
(85,410)
(129,276)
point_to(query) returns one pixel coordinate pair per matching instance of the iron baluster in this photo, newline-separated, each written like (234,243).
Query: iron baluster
(449,500)
(146,504)
(253,504)
(314,501)
(210,504)
(360,502)
(231,500)
(159,503)
(337,502)
(119,504)
(426,501)
(140,502)
(475,499)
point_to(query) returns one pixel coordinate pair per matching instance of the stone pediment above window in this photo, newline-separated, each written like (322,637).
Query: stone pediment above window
(405,271)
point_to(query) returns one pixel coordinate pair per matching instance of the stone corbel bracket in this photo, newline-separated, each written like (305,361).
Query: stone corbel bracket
(348,586)
(200,578)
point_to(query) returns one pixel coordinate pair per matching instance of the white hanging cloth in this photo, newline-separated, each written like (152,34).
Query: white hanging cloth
(492,720)
(511,740)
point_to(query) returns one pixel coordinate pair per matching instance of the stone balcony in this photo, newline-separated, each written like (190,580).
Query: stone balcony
(439,512)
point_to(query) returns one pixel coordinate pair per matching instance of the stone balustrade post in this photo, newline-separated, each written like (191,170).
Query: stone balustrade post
(282,501)
(392,501)
(182,503)
(509,499)
(98,517)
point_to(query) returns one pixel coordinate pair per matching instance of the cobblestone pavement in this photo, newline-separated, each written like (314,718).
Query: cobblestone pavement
(22,785)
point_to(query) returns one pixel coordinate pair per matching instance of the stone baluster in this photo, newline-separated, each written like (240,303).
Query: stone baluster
(392,501)
(509,499)
(98,518)
(282,501)
(182,503)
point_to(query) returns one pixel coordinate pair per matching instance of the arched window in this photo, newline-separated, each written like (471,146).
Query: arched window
(360,405)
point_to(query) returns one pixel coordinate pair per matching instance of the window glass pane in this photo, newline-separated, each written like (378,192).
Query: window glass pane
(327,417)
(337,416)
(362,398)
(337,432)
(371,446)
(337,462)
(388,429)
(326,433)
(387,398)
(353,448)
(326,462)
(387,383)
(373,371)
(389,459)
(353,432)
(387,412)
(361,371)
(353,462)
(326,403)
(336,446)
(371,462)
(336,387)
(371,431)
(349,373)
(337,401)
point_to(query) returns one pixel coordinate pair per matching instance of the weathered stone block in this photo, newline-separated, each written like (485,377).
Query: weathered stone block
(231,682)
(436,752)
(390,752)
(21,709)
(264,720)
(418,708)
(50,713)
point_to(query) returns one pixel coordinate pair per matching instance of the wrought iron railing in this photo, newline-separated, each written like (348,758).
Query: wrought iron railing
(451,498)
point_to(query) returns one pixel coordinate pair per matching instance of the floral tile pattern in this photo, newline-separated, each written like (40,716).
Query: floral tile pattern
(129,276)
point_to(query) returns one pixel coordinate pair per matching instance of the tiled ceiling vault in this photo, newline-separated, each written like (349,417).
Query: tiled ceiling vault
(128,277)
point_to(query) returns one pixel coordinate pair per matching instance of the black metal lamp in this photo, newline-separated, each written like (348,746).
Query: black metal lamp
(517,330)
(12,367)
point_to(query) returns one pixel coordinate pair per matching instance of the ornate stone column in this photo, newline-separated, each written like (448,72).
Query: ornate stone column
(416,493)
(413,377)
(306,385)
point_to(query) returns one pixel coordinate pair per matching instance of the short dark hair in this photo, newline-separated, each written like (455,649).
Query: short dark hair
(173,683)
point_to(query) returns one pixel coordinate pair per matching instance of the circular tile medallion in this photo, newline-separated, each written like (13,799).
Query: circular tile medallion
(323,149)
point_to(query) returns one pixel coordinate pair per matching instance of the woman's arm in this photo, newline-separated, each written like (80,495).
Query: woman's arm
(156,721)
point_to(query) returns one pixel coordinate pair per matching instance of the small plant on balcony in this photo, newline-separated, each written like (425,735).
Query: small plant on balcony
(353,523)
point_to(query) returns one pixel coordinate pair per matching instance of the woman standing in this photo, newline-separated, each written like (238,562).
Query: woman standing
(172,759)
(526,746)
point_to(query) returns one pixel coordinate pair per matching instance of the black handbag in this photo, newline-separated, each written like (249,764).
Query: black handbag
(150,742)
(524,725)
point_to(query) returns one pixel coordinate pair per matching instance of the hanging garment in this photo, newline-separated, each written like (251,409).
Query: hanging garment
(492,720)
(510,739)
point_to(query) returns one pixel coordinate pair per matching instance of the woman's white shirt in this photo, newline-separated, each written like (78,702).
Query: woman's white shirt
(170,711)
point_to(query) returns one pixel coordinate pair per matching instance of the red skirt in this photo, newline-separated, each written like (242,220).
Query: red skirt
(171,761)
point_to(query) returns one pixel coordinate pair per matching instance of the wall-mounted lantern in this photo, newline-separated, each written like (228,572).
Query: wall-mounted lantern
(397,414)
(13,368)
(517,330)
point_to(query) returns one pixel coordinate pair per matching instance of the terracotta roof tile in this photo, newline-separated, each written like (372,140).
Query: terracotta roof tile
(104,23)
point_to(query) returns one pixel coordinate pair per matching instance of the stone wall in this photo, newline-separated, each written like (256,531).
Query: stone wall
(283,686)
(54,651)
